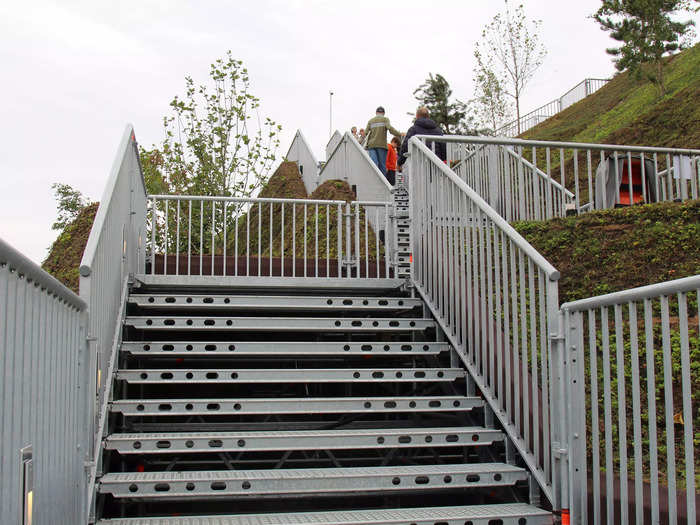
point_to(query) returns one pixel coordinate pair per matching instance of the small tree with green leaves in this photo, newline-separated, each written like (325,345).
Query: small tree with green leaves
(647,32)
(435,94)
(69,203)
(216,144)
(510,51)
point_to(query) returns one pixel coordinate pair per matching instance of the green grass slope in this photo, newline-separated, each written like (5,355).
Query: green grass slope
(608,251)
(632,112)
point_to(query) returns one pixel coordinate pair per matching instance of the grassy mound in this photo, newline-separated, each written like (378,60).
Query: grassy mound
(307,228)
(285,183)
(630,111)
(607,251)
(66,252)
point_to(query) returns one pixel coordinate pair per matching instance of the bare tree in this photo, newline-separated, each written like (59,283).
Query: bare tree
(491,107)
(511,50)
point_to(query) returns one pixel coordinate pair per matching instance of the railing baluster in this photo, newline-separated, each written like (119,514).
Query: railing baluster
(201,236)
(224,220)
(668,401)
(177,241)
(259,239)
(213,234)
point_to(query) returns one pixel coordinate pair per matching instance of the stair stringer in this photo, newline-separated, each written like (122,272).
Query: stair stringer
(95,464)
(509,428)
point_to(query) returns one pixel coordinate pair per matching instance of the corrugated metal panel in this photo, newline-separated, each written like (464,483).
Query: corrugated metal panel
(42,393)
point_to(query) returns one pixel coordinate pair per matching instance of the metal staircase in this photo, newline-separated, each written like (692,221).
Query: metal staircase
(403,229)
(336,405)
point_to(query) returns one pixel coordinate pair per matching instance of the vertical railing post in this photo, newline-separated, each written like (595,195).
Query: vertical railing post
(576,415)
(559,403)
(347,262)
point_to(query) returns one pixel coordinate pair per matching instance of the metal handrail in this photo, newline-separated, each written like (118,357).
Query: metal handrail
(557,105)
(539,172)
(32,271)
(622,349)
(128,140)
(591,176)
(552,273)
(474,272)
(552,144)
(210,198)
(687,284)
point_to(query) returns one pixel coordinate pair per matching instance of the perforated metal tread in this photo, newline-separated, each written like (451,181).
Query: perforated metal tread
(290,375)
(509,513)
(276,302)
(329,405)
(280,482)
(278,324)
(179,442)
(281,348)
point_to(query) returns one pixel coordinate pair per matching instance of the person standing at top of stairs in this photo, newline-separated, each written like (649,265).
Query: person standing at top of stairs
(375,142)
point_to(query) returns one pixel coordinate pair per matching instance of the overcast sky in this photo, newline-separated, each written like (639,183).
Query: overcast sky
(73,73)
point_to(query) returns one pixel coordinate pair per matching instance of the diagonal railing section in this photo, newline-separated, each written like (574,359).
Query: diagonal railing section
(496,298)
(632,377)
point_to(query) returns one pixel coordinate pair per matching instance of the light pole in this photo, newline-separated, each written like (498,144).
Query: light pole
(330,113)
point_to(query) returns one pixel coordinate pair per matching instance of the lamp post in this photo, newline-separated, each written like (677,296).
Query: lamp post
(330,113)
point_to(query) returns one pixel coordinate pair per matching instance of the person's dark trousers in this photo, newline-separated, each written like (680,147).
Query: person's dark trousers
(378,156)
(391,177)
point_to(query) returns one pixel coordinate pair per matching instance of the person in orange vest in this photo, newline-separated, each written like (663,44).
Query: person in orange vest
(392,158)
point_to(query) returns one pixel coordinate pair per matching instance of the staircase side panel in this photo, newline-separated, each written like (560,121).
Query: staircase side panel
(44,423)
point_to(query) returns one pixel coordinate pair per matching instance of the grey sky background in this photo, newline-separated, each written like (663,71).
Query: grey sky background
(75,72)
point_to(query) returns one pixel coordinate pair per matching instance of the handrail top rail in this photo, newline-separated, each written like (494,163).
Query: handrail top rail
(128,138)
(164,197)
(552,273)
(686,284)
(552,144)
(23,265)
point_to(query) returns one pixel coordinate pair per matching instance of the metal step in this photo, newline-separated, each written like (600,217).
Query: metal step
(290,375)
(183,442)
(280,482)
(507,513)
(320,405)
(278,324)
(280,348)
(268,302)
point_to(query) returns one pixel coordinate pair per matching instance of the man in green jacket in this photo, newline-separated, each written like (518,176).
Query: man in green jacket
(376,138)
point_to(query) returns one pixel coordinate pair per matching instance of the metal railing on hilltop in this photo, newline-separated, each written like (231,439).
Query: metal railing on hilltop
(533,118)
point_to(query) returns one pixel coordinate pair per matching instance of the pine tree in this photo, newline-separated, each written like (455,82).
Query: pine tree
(647,33)
(435,95)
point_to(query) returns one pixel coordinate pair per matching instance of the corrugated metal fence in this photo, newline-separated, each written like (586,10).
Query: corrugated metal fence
(45,415)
